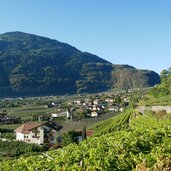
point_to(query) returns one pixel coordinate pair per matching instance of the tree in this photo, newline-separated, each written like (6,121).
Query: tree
(80,113)
(69,137)
(84,133)
(163,75)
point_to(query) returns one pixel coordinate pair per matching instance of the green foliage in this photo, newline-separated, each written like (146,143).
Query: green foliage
(119,151)
(160,95)
(16,148)
(94,77)
(80,113)
(7,134)
(164,75)
(144,144)
(119,122)
(69,137)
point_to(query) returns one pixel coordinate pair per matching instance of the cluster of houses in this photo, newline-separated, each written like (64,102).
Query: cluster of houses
(46,133)
(49,132)
(95,106)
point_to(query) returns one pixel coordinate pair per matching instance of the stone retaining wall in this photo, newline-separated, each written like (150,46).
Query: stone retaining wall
(154,108)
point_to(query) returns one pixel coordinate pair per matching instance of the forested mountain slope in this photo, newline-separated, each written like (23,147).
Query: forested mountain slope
(35,65)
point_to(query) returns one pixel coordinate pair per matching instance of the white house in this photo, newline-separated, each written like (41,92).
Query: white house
(94,114)
(54,115)
(95,102)
(38,133)
(108,100)
(114,108)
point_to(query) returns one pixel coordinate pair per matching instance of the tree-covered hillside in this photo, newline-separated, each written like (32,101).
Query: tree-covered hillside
(160,94)
(34,65)
(164,88)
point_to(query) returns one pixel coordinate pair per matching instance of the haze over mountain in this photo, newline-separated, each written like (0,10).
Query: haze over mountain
(35,65)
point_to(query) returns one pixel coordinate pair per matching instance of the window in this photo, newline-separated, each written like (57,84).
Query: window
(25,136)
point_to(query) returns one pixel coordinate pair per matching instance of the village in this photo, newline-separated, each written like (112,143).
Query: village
(91,106)
(94,106)
(47,127)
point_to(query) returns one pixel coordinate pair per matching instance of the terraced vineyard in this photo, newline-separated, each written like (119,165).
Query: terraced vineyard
(126,142)
(117,123)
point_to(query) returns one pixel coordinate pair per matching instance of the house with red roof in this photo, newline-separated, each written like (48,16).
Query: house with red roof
(38,133)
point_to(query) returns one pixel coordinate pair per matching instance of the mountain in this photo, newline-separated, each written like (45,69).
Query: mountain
(35,65)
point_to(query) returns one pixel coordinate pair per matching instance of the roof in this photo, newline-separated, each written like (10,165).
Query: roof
(26,127)
(89,133)
(53,125)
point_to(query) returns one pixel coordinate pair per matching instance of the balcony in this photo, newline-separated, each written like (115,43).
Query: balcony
(36,136)
(36,131)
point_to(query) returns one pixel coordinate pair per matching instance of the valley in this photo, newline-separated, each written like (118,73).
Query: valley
(63,109)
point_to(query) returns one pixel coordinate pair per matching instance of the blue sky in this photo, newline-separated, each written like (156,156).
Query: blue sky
(134,32)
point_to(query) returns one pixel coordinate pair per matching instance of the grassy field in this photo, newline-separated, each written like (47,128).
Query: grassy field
(10,126)
(87,122)
(69,125)
(163,101)
(26,112)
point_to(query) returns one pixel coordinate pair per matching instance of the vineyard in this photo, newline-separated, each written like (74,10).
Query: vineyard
(117,123)
(128,141)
